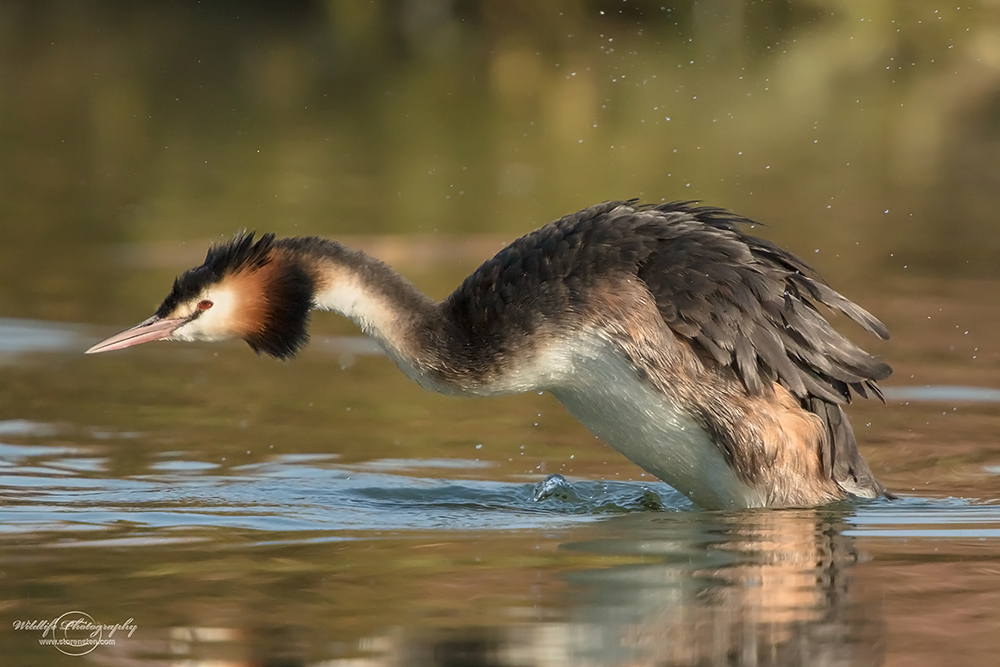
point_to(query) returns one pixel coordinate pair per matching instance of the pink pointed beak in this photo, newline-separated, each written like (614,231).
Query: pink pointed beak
(155,328)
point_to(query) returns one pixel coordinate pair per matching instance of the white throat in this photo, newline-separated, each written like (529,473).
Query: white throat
(351,300)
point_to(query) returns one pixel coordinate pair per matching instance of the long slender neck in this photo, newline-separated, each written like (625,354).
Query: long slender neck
(406,322)
(499,333)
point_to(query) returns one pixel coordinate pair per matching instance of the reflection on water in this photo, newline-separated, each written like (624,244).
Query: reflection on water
(769,588)
(57,491)
(268,545)
(23,336)
(304,560)
(270,550)
(945,394)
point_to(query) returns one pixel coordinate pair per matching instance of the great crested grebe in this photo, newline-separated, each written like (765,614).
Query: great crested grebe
(695,350)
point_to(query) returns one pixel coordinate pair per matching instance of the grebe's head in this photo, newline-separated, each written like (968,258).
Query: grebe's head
(248,289)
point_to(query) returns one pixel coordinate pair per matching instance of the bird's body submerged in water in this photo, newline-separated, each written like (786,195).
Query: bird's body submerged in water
(695,350)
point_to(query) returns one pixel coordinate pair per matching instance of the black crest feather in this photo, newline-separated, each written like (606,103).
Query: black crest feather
(239,253)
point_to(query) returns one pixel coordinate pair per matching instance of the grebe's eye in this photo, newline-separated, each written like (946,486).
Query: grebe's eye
(205,304)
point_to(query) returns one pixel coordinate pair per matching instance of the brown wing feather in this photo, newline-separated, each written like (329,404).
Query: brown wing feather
(753,307)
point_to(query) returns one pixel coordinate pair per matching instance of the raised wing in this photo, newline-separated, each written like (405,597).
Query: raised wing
(750,305)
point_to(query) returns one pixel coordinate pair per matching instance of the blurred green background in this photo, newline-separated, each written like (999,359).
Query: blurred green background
(132,133)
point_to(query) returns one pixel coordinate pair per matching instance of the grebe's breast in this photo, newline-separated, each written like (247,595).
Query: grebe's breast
(608,397)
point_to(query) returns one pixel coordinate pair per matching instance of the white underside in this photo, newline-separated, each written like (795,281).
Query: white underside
(606,396)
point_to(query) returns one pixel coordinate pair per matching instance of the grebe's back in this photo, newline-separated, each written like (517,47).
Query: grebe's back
(696,350)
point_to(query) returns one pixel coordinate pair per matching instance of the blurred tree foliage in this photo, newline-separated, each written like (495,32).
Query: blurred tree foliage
(872,128)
